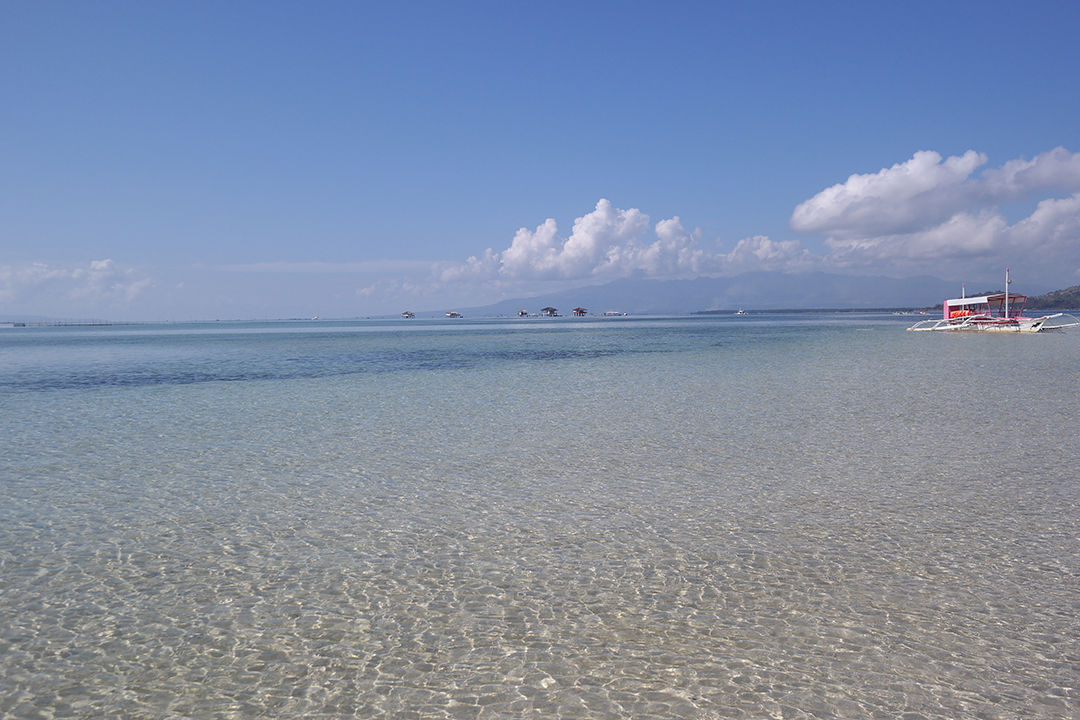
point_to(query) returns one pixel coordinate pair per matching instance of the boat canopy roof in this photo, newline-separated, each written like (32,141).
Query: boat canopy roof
(980,299)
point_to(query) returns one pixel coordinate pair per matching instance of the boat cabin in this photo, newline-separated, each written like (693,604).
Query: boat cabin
(998,305)
(999,312)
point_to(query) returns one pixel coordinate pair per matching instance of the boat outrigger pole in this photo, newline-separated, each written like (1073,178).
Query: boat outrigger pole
(1007,281)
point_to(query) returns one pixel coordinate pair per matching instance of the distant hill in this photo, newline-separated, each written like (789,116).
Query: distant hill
(1067,299)
(750,291)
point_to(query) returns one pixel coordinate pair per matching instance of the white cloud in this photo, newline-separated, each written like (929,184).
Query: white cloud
(36,287)
(929,215)
(106,283)
(1058,169)
(762,253)
(542,255)
(1052,232)
(16,281)
(474,269)
(604,244)
(674,254)
(932,215)
(921,192)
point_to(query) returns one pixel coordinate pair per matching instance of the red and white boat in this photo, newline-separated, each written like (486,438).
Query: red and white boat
(1000,312)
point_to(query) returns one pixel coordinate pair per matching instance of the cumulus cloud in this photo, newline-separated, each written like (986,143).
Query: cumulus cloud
(918,193)
(674,254)
(610,243)
(543,255)
(933,215)
(1058,169)
(928,214)
(100,285)
(762,253)
(17,280)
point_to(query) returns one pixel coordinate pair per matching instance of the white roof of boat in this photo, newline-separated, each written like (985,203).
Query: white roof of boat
(979,299)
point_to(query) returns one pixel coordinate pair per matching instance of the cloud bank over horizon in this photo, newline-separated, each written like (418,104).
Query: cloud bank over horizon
(610,243)
(930,215)
(934,215)
(101,285)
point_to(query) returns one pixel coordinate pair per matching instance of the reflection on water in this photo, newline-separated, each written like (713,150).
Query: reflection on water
(685,518)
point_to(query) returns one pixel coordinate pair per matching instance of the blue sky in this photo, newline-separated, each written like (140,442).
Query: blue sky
(243,160)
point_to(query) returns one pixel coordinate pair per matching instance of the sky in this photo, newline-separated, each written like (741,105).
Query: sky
(213,160)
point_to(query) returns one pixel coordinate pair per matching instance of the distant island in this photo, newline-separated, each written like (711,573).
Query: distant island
(1067,299)
(759,291)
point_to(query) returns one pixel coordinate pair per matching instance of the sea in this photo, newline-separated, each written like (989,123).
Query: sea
(813,515)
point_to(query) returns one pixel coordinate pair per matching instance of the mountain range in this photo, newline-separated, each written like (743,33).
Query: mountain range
(750,291)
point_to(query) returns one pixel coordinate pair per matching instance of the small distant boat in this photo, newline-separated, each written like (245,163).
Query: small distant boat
(1000,312)
(408,314)
(523,313)
(454,314)
(741,312)
(612,313)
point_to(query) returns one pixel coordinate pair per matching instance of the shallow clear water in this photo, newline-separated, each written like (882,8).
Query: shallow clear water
(789,516)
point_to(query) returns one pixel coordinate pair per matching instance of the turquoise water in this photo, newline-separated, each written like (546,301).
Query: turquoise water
(712,517)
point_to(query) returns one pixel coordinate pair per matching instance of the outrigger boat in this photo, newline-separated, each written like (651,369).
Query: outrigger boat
(1000,312)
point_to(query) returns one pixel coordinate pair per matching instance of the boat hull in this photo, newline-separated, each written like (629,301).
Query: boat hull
(1058,321)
